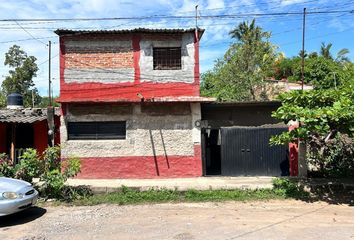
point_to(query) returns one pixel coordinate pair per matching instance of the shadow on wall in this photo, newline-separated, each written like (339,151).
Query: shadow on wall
(154,151)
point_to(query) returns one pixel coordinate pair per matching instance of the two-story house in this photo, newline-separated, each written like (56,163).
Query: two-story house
(130,102)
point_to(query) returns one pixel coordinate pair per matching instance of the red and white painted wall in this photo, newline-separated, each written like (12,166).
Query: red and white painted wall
(109,76)
(109,66)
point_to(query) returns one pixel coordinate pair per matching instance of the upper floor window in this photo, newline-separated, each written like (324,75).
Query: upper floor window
(167,58)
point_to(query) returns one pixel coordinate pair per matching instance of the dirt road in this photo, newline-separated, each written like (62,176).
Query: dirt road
(228,220)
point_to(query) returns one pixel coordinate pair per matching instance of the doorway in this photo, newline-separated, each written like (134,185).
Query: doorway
(211,141)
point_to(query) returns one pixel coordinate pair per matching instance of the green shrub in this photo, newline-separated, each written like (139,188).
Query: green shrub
(334,158)
(57,172)
(6,167)
(51,170)
(30,166)
(52,158)
(53,184)
(289,188)
(70,193)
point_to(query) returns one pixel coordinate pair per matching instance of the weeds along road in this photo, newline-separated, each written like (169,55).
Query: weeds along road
(275,219)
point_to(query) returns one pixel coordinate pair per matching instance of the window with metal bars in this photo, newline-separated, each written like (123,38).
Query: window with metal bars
(167,58)
(96,130)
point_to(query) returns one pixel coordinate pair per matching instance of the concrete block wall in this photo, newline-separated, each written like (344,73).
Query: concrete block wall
(185,75)
(116,67)
(161,140)
(111,59)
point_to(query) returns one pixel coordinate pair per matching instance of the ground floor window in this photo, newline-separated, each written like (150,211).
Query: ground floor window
(96,130)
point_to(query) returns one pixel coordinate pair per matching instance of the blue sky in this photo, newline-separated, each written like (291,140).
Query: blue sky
(336,28)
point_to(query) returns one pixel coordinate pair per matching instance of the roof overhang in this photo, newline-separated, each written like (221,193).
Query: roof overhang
(69,32)
(157,99)
(245,104)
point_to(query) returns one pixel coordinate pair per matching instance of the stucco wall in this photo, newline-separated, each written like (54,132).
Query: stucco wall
(150,132)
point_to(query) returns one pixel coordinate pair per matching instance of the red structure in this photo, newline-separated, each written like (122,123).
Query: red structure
(293,153)
(25,128)
(130,100)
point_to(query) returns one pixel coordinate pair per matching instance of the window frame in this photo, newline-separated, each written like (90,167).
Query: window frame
(172,61)
(93,131)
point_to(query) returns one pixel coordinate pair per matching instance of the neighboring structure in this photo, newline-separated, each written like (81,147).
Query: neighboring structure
(25,128)
(235,140)
(130,102)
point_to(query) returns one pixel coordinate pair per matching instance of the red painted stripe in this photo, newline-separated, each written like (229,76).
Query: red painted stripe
(136,57)
(99,92)
(142,166)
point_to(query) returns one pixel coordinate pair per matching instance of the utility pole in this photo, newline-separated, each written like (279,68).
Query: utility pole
(303,50)
(50,109)
(196,17)
(49,73)
(32,99)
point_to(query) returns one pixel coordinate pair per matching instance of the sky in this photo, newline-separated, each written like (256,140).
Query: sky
(336,28)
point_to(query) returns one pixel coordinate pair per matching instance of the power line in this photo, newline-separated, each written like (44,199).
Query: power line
(236,15)
(30,34)
(27,39)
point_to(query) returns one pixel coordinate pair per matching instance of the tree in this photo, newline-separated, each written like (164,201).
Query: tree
(326,124)
(239,74)
(325,50)
(2,100)
(322,112)
(45,102)
(23,69)
(341,56)
(322,72)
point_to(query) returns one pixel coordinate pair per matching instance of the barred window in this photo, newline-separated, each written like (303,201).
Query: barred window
(96,130)
(167,58)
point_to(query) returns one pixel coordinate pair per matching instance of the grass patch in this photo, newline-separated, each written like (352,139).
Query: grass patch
(132,196)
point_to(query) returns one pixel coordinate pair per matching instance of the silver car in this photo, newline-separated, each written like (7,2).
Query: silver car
(16,195)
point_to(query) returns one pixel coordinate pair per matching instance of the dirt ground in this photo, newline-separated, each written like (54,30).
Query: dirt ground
(224,220)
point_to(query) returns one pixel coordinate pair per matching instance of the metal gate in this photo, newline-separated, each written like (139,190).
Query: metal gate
(245,151)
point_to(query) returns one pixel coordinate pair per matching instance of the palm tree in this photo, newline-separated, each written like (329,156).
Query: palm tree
(325,50)
(248,32)
(341,56)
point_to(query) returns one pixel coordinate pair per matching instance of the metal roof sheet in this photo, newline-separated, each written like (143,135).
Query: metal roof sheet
(26,115)
(62,32)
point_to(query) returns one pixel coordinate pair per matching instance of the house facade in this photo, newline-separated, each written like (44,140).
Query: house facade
(130,102)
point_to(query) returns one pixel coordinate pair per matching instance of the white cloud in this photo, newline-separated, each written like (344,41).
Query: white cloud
(215,4)
(215,39)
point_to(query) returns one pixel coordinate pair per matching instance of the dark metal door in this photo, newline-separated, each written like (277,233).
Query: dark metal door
(245,151)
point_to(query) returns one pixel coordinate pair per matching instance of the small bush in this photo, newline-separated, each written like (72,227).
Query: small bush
(53,184)
(6,167)
(30,166)
(52,158)
(51,170)
(289,188)
(71,193)
(334,158)
(56,173)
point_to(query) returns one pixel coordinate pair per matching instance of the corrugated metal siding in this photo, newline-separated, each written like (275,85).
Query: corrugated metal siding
(245,151)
